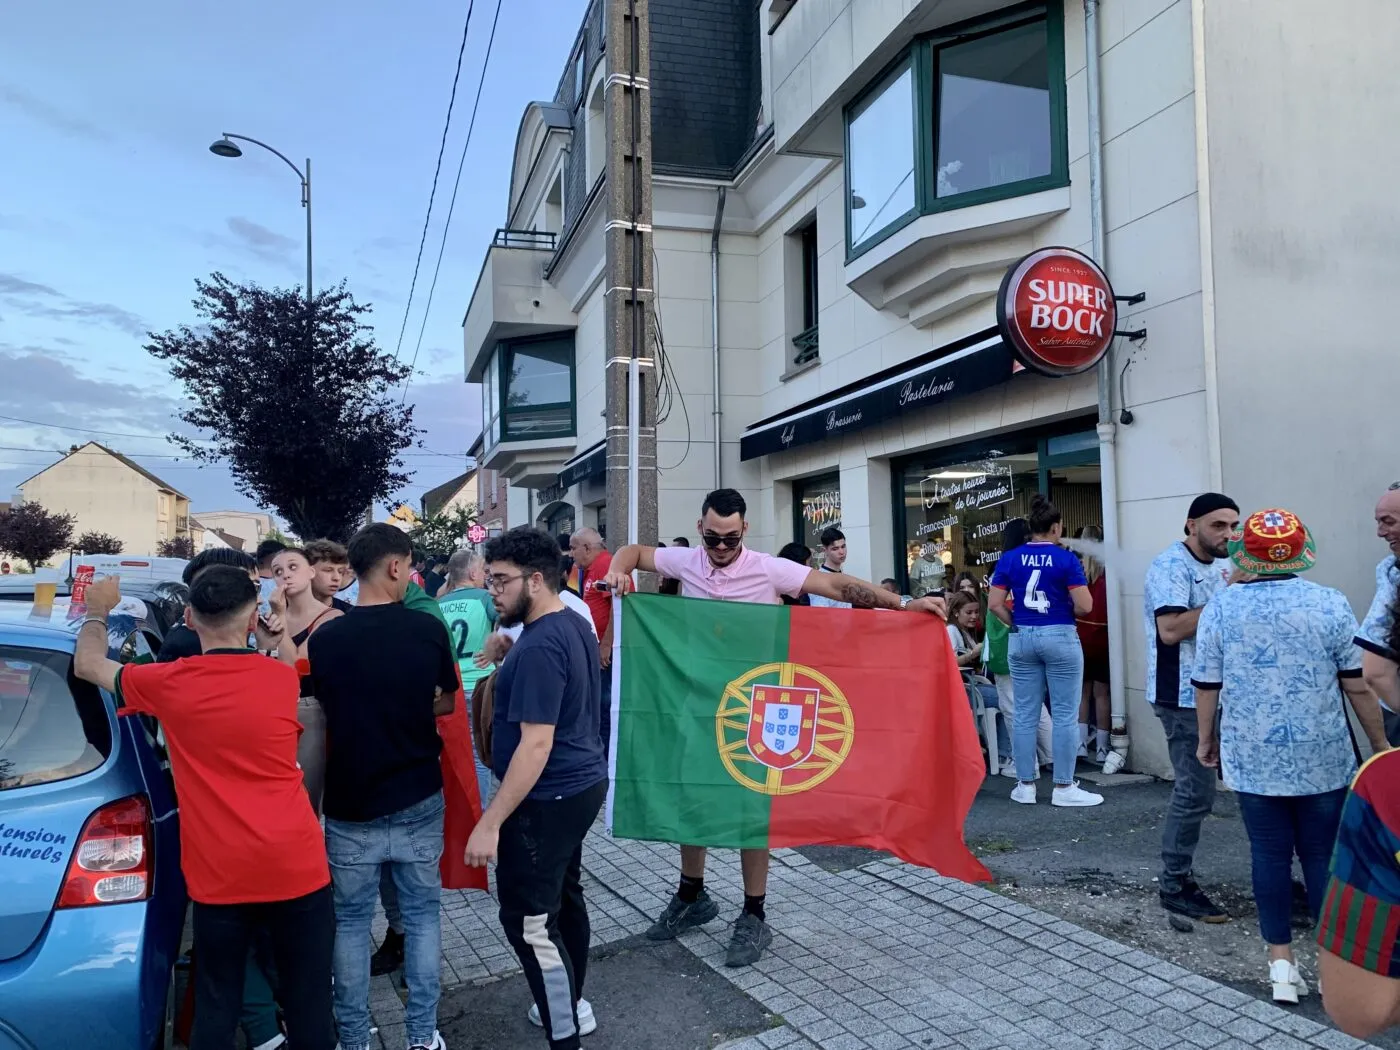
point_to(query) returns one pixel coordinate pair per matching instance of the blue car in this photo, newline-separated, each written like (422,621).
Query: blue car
(92,902)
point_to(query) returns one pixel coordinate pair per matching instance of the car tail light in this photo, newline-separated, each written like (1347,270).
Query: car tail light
(111,864)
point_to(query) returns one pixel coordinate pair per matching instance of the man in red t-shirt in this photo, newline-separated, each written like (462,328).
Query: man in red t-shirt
(594,562)
(251,849)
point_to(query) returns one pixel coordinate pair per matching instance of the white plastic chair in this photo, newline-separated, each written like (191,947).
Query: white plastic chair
(986,717)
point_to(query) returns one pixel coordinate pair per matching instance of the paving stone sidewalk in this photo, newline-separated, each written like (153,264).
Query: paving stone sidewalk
(890,956)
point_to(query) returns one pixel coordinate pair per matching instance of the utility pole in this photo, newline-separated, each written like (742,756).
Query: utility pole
(627,275)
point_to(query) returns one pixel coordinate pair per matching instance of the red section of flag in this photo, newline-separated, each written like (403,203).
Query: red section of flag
(461,796)
(914,763)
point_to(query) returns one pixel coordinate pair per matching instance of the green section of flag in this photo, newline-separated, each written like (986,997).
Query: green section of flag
(678,657)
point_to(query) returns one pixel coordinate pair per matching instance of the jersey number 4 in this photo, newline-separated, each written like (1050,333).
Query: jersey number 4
(1035,598)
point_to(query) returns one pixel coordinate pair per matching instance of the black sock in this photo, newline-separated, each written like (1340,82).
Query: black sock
(690,888)
(754,906)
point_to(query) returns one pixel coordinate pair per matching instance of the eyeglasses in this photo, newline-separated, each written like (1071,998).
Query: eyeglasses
(728,542)
(497,584)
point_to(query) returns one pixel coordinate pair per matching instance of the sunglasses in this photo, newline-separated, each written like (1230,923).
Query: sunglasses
(728,542)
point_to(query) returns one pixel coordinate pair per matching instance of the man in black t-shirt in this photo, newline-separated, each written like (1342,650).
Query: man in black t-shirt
(382,673)
(548,754)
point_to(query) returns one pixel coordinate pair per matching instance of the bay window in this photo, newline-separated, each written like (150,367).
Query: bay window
(528,389)
(970,114)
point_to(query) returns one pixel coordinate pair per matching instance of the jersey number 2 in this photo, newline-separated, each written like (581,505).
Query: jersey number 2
(1036,598)
(460,634)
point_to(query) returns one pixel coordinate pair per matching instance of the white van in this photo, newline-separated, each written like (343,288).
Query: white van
(134,569)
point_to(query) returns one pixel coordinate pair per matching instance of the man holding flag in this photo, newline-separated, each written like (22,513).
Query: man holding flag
(723,568)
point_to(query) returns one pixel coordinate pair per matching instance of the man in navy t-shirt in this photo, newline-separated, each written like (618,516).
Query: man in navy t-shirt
(1046,586)
(548,753)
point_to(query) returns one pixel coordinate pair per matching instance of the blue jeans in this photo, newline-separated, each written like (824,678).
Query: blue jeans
(410,843)
(1046,660)
(1278,827)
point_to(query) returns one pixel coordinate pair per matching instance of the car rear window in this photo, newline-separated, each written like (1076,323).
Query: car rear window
(52,726)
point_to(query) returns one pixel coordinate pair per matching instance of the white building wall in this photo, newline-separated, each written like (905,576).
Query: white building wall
(1303,220)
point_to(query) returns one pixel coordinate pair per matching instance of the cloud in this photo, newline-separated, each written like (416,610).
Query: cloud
(48,387)
(249,238)
(42,300)
(46,113)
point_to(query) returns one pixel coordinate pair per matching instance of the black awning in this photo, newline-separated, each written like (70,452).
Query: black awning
(978,364)
(592,463)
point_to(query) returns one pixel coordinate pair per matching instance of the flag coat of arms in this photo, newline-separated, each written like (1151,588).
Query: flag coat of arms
(766,726)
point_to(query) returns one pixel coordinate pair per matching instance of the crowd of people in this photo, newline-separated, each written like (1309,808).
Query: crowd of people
(301,704)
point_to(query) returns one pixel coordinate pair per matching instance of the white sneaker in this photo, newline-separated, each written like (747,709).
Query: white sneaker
(1101,756)
(438,1043)
(1288,983)
(1081,752)
(587,1023)
(1073,795)
(1024,794)
(1008,768)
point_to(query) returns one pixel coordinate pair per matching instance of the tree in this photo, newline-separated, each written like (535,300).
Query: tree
(30,532)
(444,533)
(305,420)
(98,543)
(178,547)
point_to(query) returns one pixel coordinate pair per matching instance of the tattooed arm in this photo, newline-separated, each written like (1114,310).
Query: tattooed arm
(862,595)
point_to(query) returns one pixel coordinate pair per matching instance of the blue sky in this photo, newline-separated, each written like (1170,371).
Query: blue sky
(111,204)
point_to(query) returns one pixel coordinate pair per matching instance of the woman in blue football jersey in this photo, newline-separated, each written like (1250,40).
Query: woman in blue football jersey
(1048,590)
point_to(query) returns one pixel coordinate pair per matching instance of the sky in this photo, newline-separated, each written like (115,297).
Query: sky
(111,203)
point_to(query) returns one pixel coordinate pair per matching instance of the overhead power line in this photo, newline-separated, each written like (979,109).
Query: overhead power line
(425,454)
(452,204)
(437,170)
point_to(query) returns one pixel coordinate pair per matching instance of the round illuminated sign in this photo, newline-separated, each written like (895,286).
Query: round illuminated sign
(1057,312)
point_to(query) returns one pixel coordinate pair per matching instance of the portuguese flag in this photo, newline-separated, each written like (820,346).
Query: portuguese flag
(753,726)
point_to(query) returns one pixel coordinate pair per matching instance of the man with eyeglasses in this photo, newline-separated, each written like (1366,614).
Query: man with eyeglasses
(723,568)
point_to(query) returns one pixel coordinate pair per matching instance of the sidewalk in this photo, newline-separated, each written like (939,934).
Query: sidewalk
(880,956)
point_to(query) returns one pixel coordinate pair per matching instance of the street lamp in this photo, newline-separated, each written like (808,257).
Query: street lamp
(226,147)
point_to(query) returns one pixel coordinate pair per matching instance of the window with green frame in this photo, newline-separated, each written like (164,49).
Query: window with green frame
(970,114)
(528,392)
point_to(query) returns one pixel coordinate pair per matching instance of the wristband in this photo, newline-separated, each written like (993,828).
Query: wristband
(93,619)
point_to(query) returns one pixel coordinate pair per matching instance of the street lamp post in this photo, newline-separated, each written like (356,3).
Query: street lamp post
(226,147)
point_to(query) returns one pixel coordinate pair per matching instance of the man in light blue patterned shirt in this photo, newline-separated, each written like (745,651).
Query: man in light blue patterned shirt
(1179,583)
(1273,657)
(1378,657)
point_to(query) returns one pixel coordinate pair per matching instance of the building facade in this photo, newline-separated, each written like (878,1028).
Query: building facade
(106,492)
(251,527)
(839,188)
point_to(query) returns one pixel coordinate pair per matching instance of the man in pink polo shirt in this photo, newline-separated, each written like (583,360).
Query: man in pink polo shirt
(725,569)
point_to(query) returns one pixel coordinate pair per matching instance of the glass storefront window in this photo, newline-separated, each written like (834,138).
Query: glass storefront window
(880,158)
(955,507)
(816,506)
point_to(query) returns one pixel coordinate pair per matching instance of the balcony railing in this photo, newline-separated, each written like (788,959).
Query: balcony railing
(182,526)
(805,345)
(535,240)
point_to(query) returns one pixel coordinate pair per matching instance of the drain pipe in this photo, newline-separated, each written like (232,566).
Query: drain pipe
(1108,461)
(714,336)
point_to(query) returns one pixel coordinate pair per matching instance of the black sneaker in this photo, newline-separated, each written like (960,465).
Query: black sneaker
(680,916)
(1193,903)
(751,935)
(389,957)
